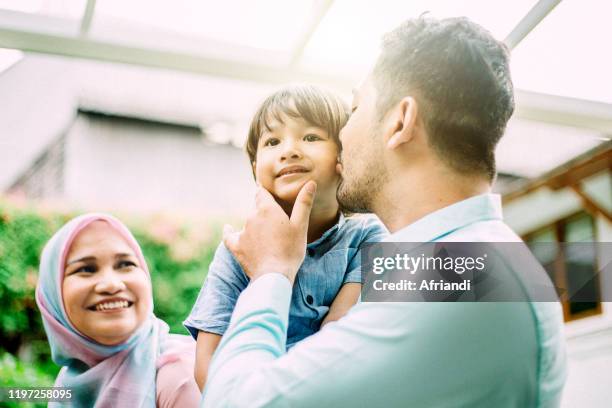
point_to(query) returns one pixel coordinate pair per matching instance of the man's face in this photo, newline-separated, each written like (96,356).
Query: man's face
(363,169)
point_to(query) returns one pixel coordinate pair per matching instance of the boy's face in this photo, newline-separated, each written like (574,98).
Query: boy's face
(293,153)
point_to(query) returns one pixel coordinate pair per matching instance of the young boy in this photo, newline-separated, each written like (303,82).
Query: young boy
(293,139)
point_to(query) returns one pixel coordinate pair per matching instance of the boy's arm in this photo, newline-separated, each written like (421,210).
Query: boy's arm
(373,231)
(205,347)
(213,308)
(345,299)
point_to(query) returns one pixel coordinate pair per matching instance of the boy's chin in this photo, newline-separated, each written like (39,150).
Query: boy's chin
(286,197)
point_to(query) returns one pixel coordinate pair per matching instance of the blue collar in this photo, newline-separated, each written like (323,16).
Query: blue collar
(444,221)
(329,232)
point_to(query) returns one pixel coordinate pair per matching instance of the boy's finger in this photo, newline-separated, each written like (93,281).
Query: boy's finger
(303,204)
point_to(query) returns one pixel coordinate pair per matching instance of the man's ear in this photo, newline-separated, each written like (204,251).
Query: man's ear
(405,119)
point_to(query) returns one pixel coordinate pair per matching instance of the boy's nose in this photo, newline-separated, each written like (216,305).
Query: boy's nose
(290,151)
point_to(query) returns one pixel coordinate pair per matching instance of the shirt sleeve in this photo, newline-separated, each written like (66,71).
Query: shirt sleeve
(176,386)
(372,231)
(215,303)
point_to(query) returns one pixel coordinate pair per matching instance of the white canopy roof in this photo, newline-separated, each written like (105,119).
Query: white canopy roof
(218,59)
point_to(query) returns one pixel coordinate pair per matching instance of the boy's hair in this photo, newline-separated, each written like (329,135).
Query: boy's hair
(316,106)
(460,76)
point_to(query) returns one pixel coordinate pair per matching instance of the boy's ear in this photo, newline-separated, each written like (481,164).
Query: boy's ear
(403,121)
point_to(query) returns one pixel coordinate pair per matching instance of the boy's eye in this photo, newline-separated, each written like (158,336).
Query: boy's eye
(271,142)
(312,137)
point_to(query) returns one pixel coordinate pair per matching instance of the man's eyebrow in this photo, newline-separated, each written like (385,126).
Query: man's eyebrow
(84,259)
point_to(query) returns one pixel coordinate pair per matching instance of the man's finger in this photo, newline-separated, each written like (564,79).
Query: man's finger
(303,204)
(230,237)
(263,197)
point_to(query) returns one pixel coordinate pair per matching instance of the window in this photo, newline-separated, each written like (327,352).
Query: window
(569,266)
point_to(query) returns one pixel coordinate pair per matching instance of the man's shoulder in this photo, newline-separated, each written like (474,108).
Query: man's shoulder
(484,231)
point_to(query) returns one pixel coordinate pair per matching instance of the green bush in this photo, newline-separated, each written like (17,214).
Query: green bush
(178,263)
(15,373)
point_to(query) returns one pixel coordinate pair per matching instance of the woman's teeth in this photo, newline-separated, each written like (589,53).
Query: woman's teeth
(112,305)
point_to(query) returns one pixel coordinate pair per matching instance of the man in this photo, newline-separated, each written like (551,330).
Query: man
(418,151)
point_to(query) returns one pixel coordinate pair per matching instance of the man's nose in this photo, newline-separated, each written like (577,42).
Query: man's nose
(110,282)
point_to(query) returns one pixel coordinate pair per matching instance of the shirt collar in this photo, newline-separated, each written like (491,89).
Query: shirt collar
(329,232)
(442,222)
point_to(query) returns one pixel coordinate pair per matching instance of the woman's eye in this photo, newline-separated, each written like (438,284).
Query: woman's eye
(271,142)
(312,137)
(85,269)
(126,265)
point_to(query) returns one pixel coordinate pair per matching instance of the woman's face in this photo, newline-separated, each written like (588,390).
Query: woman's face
(106,293)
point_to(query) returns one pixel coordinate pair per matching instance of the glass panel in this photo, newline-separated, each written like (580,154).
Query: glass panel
(8,58)
(546,254)
(266,24)
(531,148)
(568,53)
(580,264)
(347,39)
(60,8)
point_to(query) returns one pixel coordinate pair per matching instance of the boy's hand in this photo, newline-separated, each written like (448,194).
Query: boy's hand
(271,241)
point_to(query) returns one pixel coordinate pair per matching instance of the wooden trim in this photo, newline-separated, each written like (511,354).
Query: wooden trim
(592,162)
(560,273)
(591,206)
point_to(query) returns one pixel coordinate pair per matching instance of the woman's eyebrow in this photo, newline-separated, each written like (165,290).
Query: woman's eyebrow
(124,255)
(84,259)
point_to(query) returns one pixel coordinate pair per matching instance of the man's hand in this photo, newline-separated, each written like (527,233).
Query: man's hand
(271,241)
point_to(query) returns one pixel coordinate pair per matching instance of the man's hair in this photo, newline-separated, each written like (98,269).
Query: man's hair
(316,106)
(459,76)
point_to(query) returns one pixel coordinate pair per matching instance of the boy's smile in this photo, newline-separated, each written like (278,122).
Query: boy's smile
(293,152)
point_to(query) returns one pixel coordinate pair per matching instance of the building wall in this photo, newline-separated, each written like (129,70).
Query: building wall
(138,166)
(37,105)
(589,340)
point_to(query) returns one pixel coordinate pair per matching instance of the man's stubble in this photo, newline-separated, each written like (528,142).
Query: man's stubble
(363,177)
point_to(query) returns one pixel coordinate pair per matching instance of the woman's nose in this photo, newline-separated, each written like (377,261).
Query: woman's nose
(110,283)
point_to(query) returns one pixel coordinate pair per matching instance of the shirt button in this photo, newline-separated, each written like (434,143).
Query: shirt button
(309,299)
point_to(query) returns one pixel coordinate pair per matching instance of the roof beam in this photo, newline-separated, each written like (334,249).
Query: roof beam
(564,111)
(319,11)
(530,21)
(87,16)
(55,36)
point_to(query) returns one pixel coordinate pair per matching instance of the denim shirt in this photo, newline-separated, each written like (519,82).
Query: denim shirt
(331,261)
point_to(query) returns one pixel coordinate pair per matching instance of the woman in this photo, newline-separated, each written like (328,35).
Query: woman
(95,296)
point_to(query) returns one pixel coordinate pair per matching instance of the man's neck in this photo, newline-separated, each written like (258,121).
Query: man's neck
(400,204)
